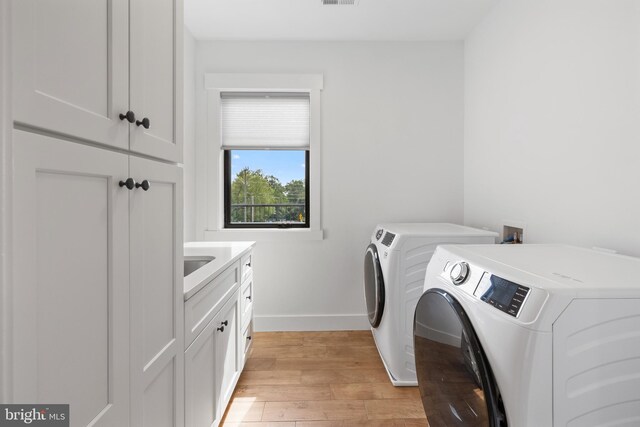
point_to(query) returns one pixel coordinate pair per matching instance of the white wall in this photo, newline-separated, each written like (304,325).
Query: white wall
(552,121)
(189,136)
(6,199)
(392,129)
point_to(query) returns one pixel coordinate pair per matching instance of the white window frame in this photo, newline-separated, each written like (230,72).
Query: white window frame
(213,173)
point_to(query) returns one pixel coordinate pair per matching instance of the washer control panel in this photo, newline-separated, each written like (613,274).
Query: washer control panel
(501,293)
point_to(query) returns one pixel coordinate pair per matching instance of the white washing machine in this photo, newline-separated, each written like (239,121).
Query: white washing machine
(529,336)
(394,267)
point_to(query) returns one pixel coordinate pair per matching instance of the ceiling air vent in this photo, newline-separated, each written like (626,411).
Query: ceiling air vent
(339,2)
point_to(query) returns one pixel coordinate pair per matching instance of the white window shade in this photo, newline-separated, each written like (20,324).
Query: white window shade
(258,121)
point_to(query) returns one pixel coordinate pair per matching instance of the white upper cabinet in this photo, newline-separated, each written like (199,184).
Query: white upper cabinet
(156,77)
(71,67)
(80,66)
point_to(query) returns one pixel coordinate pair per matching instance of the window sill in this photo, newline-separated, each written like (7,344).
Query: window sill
(265,235)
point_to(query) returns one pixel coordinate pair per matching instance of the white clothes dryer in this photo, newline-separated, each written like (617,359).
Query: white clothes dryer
(529,336)
(394,269)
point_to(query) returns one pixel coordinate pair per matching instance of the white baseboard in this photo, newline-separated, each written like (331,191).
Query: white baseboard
(339,322)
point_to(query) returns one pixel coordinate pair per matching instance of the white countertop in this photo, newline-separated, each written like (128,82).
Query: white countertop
(225,253)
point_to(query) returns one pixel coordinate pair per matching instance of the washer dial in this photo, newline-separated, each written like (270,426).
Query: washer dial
(459,273)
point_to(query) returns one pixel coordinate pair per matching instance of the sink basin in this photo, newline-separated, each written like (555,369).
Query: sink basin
(193,263)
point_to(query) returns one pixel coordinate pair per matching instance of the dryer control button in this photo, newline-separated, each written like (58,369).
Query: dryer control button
(459,273)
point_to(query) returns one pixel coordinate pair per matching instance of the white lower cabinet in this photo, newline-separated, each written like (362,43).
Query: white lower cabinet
(245,345)
(211,368)
(98,299)
(214,361)
(227,365)
(71,294)
(157,302)
(202,407)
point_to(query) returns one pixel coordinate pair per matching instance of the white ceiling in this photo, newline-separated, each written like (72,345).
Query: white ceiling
(310,20)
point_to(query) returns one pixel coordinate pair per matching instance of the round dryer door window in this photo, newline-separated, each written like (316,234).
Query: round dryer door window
(455,379)
(373,285)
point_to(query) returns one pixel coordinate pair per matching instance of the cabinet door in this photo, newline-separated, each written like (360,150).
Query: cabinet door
(71,69)
(71,293)
(201,405)
(156,77)
(157,295)
(245,344)
(227,363)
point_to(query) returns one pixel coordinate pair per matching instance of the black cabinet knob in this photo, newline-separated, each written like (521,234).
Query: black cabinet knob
(249,297)
(129,183)
(225,323)
(145,123)
(144,184)
(128,116)
(248,264)
(221,328)
(249,337)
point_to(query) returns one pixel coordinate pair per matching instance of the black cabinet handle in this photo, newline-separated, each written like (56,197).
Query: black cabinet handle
(249,337)
(221,328)
(248,264)
(145,123)
(128,116)
(225,323)
(249,297)
(129,183)
(144,184)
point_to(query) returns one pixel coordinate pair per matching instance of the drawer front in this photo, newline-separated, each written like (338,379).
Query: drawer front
(247,340)
(246,266)
(246,301)
(203,306)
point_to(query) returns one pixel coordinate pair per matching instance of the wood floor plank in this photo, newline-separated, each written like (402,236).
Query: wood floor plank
(416,423)
(352,423)
(324,410)
(283,393)
(373,391)
(364,423)
(374,423)
(290,343)
(288,352)
(276,339)
(261,424)
(271,377)
(335,423)
(243,411)
(320,379)
(351,352)
(260,364)
(339,338)
(319,363)
(344,376)
(387,409)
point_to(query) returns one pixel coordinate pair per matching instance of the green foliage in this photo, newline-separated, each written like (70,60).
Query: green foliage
(255,188)
(295,191)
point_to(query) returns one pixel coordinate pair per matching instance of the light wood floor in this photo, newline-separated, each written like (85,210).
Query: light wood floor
(320,379)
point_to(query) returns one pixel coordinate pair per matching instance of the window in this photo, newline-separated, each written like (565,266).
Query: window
(266,139)
(260,121)
(266,188)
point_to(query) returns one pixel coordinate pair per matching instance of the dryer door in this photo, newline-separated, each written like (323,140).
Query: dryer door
(455,379)
(373,285)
